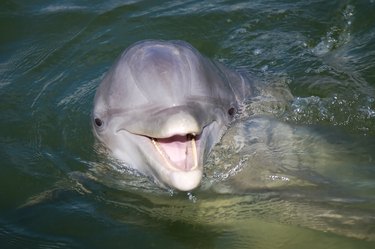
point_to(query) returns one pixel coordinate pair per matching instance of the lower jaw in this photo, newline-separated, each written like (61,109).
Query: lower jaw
(185,180)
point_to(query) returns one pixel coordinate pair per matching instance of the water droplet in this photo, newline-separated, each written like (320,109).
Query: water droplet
(192,197)
(264,68)
(257,51)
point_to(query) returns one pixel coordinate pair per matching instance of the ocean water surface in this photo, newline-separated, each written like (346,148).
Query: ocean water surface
(297,171)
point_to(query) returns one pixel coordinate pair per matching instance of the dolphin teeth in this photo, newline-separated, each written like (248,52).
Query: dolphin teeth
(194,151)
(169,162)
(162,153)
(191,138)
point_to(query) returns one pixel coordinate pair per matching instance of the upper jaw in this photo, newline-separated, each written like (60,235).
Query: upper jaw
(167,122)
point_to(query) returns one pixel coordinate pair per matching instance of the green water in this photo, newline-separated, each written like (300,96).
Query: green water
(53,55)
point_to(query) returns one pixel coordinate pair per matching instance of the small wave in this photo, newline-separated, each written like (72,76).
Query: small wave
(356,113)
(61,8)
(18,237)
(338,35)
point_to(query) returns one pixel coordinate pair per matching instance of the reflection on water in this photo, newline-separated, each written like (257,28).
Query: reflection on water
(295,170)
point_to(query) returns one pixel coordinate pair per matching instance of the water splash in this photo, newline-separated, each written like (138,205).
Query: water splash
(338,35)
(355,113)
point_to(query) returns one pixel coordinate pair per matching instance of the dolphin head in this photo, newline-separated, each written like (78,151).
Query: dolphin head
(161,108)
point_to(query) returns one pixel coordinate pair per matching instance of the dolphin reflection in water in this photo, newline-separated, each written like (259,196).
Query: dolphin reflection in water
(163,106)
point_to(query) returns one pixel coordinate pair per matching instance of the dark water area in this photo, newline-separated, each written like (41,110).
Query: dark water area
(56,191)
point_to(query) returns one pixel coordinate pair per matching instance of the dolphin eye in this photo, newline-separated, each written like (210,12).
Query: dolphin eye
(232,111)
(98,122)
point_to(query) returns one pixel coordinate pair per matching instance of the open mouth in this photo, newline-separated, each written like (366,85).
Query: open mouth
(179,153)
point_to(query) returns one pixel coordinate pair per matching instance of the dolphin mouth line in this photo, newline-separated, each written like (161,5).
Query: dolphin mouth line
(188,158)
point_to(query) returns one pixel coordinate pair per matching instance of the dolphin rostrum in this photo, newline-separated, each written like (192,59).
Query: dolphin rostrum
(162,107)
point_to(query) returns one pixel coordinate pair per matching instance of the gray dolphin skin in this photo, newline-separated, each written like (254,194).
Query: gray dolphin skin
(162,107)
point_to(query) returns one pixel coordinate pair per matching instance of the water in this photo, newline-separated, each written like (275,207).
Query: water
(316,192)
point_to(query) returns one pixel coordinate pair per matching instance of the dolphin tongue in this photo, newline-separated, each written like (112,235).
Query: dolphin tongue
(178,152)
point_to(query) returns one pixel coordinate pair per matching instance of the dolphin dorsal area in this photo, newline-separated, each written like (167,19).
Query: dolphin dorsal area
(162,107)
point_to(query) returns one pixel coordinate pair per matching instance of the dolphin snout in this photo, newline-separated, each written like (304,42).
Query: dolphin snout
(169,122)
(180,124)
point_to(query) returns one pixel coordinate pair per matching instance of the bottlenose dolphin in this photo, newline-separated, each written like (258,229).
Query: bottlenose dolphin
(162,107)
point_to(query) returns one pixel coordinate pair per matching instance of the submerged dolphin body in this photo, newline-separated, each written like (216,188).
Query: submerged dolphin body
(162,107)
